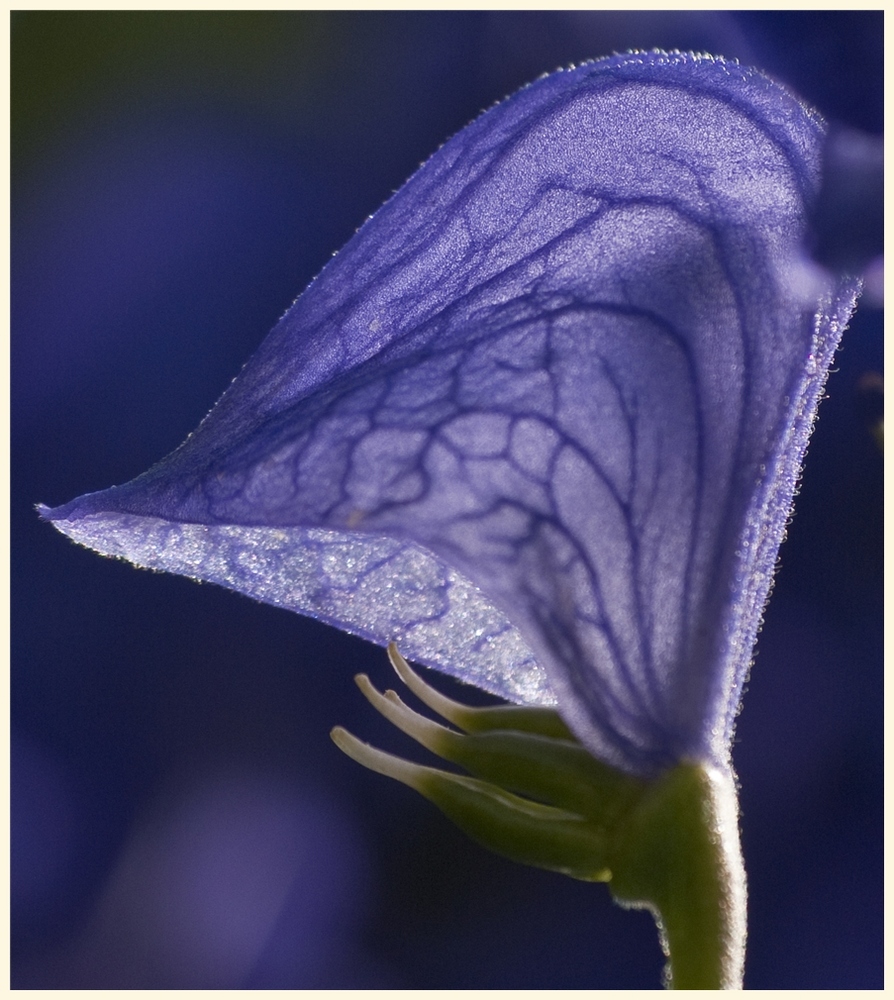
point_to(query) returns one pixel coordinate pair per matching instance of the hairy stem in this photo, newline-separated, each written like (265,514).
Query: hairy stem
(677,853)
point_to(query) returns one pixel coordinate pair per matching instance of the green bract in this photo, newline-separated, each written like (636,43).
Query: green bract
(538,797)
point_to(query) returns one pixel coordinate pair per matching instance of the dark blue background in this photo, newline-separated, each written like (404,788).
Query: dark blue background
(180,817)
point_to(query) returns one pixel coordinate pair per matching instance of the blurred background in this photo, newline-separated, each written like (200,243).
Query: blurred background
(180,818)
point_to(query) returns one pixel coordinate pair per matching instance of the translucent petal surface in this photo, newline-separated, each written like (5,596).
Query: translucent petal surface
(540,420)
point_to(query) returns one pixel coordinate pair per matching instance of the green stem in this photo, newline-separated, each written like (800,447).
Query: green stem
(677,853)
(670,845)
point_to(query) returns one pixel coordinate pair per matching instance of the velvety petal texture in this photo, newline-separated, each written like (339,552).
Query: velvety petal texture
(540,421)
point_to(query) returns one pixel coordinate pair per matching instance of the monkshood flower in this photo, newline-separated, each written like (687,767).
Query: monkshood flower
(540,424)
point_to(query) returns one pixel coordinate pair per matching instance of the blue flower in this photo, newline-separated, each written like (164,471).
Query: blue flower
(541,420)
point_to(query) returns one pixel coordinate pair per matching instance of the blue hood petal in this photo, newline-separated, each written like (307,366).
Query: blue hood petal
(540,421)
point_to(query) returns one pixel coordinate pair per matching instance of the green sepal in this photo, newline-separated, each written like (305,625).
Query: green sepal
(520,718)
(524,831)
(559,772)
(670,845)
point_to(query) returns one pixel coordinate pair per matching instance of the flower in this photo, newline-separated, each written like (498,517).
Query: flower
(540,422)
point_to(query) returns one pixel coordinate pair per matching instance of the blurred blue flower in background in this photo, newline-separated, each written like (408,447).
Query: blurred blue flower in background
(266,124)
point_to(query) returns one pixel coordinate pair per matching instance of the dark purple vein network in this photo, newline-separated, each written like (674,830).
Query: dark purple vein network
(540,421)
